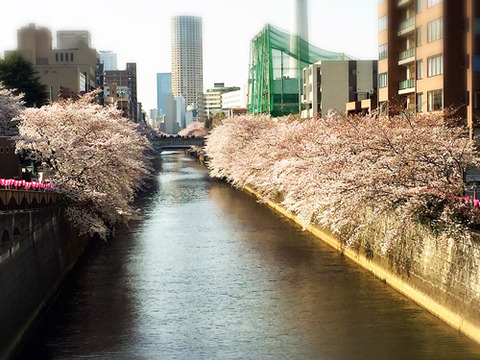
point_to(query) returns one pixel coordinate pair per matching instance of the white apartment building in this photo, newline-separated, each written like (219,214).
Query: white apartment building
(331,84)
(237,99)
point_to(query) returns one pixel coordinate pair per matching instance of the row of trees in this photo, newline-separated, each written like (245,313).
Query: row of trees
(95,156)
(374,181)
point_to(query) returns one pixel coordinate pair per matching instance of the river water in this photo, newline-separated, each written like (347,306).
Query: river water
(211,274)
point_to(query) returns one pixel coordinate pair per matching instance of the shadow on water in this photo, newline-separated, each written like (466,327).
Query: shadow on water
(208,273)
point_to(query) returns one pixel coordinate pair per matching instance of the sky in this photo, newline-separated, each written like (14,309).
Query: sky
(139,31)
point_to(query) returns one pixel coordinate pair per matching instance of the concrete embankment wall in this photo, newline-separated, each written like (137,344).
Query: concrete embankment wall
(38,249)
(444,278)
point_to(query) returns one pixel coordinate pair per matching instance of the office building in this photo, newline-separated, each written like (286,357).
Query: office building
(164,88)
(109,60)
(187,58)
(235,102)
(191,114)
(429,56)
(179,113)
(72,67)
(213,97)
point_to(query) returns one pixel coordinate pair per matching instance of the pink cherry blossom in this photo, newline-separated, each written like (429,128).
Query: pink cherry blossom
(94,155)
(366,178)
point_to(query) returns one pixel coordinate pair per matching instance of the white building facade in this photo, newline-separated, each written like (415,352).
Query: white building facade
(331,84)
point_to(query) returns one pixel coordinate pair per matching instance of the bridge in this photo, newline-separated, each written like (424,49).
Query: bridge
(174,142)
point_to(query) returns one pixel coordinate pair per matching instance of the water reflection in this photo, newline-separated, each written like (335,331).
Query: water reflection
(211,274)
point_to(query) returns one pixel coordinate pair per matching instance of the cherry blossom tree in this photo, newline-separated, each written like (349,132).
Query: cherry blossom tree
(365,177)
(95,157)
(195,128)
(10,107)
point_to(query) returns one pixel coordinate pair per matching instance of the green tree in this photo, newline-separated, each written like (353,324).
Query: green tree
(18,74)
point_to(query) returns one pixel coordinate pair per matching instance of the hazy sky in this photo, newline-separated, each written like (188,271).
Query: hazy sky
(139,31)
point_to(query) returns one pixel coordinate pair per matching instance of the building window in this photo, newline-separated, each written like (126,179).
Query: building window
(418,36)
(419,69)
(61,56)
(476,26)
(435,100)
(71,56)
(419,5)
(382,80)
(435,30)
(431,3)
(476,100)
(419,102)
(476,62)
(382,51)
(56,57)
(435,65)
(382,23)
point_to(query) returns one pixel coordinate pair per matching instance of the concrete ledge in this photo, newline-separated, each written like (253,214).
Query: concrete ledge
(401,284)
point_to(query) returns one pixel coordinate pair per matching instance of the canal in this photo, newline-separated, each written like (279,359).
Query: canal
(209,273)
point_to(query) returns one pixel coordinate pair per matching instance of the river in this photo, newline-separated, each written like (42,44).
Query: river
(209,273)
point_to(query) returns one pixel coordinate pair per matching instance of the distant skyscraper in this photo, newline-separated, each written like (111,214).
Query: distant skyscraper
(187,58)
(109,60)
(164,87)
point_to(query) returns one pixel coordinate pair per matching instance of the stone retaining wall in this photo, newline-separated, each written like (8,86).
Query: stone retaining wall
(36,252)
(443,278)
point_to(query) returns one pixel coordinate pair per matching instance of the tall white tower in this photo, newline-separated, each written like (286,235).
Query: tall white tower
(299,20)
(298,29)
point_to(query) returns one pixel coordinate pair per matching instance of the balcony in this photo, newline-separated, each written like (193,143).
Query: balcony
(406,86)
(353,106)
(406,26)
(404,2)
(406,56)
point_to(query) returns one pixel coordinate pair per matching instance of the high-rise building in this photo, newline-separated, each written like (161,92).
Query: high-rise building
(164,87)
(109,60)
(429,55)
(187,58)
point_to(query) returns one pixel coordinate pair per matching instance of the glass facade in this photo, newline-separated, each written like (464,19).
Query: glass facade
(275,77)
